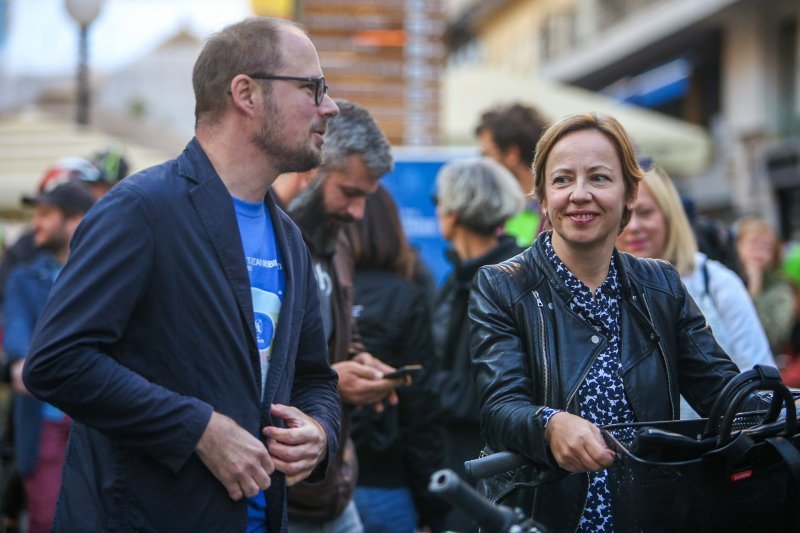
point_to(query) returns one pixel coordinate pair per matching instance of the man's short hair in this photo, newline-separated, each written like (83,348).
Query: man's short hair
(355,132)
(514,125)
(247,47)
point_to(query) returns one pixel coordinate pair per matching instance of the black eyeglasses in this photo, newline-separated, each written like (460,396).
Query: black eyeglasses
(320,88)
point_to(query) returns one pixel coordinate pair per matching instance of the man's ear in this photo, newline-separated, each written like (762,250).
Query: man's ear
(71,223)
(242,93)
(305,178)
(511,156)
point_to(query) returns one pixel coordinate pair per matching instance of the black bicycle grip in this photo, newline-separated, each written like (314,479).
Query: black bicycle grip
(452,488)
(494,464)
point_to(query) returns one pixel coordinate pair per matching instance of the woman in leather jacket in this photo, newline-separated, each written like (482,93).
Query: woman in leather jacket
(572,335)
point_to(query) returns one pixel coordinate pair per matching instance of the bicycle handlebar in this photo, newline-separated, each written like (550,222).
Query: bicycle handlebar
(494,464)
(449,486)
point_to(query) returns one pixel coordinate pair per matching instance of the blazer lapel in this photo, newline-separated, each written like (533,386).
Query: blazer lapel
(215,210)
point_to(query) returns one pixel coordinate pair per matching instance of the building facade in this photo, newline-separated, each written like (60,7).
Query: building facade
(387,56)
(730,66)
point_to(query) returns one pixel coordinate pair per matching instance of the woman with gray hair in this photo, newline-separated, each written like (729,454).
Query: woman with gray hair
(473,201)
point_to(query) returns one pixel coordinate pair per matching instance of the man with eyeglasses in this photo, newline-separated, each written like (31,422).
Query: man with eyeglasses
(184,335)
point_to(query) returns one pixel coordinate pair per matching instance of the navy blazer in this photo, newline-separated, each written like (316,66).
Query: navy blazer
(149,327)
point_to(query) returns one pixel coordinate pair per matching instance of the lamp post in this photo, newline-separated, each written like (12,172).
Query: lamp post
(83,12)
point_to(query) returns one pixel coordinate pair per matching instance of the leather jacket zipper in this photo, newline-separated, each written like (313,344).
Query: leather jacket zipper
(583,377)
(540,306)
(663,356)
(542,340)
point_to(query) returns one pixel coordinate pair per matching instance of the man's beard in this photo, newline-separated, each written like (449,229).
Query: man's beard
(307,209)
(285,158)
(55,244)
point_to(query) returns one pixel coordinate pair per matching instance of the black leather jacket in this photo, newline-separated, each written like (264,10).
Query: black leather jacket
(529,350)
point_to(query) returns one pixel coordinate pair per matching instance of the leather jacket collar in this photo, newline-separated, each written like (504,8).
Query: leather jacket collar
(554,280)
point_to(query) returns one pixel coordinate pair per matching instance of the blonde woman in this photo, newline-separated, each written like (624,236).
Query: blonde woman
(660,229)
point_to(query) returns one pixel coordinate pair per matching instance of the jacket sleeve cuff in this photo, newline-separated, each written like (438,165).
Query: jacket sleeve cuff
(547,414)
(186,442)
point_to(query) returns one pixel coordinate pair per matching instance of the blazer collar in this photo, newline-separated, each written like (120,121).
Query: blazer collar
(214,207)
(621,261)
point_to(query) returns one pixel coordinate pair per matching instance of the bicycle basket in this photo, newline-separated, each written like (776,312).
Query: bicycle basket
(671,476)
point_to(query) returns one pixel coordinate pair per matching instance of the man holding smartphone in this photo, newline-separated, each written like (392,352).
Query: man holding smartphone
(357,155)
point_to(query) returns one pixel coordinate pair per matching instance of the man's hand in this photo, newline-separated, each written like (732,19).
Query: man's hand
(299,447)
(16,378)
(361,381)
(577,444)
(235,457)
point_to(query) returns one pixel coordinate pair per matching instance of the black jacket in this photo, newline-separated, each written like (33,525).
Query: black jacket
(529,350)
(452,380)
(402,446)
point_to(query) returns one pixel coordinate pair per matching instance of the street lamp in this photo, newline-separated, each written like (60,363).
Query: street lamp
(83,12)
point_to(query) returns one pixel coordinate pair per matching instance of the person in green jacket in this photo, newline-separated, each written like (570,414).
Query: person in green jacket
(508,134)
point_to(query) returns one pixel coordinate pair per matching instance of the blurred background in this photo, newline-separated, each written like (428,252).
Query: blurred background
(708,89)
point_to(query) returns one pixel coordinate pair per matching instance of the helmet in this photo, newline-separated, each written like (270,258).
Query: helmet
(69,168)
(111,163)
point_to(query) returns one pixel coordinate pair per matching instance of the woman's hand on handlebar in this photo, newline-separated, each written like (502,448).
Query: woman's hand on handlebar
(577,444)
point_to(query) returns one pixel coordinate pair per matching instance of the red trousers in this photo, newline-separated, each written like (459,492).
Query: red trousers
(43,484)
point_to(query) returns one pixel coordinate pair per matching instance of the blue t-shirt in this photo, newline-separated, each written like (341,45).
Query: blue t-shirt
(50,413)
(267,283)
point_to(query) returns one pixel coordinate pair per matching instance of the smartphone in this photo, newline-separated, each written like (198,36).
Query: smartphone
(403,371)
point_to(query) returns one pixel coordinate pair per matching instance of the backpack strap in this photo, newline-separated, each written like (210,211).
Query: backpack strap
(706,278)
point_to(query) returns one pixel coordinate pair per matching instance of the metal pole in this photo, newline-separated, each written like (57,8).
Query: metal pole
(83,76)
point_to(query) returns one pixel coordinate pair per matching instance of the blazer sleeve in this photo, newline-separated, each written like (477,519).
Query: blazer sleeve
(71,364)
(315,383)
(510,419)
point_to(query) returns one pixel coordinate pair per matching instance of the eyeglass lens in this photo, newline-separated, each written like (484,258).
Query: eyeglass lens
(322,88)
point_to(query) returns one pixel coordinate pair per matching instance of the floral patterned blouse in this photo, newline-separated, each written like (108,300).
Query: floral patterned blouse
(601,396)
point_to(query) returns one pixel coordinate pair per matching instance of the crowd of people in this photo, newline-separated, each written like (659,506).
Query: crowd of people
(214,343)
